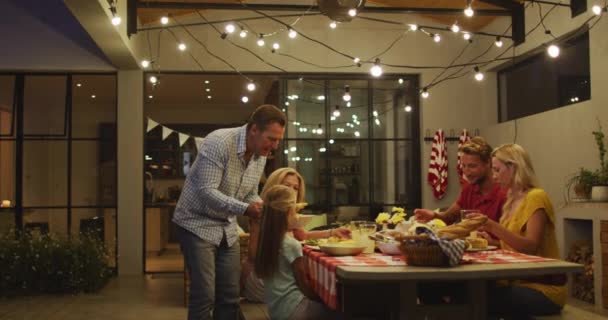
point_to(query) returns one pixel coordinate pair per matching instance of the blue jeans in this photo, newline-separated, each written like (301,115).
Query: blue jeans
(514,302)
(214,277)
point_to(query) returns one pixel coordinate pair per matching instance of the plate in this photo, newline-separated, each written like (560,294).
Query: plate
(342,250)
(488,248)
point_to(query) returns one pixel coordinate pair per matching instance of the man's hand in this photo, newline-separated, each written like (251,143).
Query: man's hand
(254,210)
(341,233)
(424,215)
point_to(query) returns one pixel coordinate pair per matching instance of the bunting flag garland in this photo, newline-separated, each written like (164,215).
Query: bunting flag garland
(151,125)
(182,138)
(166,132)
(438,167)
(464,138)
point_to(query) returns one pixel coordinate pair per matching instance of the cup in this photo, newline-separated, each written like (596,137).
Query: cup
(365,230)
(464,214)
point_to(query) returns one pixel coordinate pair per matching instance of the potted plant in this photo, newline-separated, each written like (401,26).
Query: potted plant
(592,184)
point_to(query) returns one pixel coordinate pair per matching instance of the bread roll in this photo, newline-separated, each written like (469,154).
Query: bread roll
(462,229)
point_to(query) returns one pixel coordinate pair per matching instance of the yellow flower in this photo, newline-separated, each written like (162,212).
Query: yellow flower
(383,217)
(398,210)
(397,217)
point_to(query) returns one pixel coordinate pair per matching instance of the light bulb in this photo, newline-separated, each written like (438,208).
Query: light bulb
(346,97)
(478,75)
(597,10)
(261,43)
(400,80)
(468,11)
(425,93)
(375,113)
(292,33)
(357,133)
(352,12)
(356,60)
(245,99)
(116,20)
(348,104)
(150,96)
(181,47)
(333,25)
(455,28)
(79,85)
(553,51)
(93,96)
(153,80)
(276,46)
(209,97)
(230,28)
(293,149)
(498,42)
(145,63)
(377,121)
(332,118)
(251,86)
(408,108)
(376,70)
(321,98)
(336,113)
(466,36)
(206,81)
(322,149)
(331,141)
(243,33)
(413,27)
(164,20)
(437,38)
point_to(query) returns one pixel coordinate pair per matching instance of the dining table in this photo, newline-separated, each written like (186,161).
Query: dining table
(343,283)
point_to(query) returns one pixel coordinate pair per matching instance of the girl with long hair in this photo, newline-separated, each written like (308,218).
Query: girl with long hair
(280,261)
(527,225)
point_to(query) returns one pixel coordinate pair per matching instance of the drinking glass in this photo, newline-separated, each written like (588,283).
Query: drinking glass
(365,230)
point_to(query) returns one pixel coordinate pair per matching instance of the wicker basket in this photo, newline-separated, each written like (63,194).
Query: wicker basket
(420,250)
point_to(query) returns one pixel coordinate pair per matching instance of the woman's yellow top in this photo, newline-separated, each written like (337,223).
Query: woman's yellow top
(516,223)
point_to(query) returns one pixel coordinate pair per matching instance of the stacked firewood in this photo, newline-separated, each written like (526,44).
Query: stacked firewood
(582,286)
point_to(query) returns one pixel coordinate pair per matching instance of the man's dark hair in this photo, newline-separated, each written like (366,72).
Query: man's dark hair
(265,115)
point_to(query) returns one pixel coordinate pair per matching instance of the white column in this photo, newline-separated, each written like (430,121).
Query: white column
(130,172)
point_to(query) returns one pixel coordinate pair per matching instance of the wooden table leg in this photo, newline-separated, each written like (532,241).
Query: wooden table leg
(408,300)
(478,299)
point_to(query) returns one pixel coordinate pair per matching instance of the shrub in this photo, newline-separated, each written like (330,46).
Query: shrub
(50,264)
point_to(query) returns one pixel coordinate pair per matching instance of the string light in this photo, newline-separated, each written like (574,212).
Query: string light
(468,11)
(337,111)
(357,134)
(333,25)
(150,96)
(348,104)
(356,60)
(498,42)
(245,99)
(93,96)
(413,27)
(153,80)
(352,12)
(145,64)
(376,70)
(209,97)
(553,51)
(79,85)
(597,10)
(164,20)
(276,46)
(251,86)
(346,97)
(408,108)
(206,81)
(293,149)
(230,28)
(321,98)
(377,121)
(478,75)
(207,89)
(332,118)
(292,33)
(116,20)
(436,37)
(375,113)
(466,35)
(331,141)
(425,93)
(455,28)
(400,80)
(182,46)
(320,130)
(322,149)
(261,40)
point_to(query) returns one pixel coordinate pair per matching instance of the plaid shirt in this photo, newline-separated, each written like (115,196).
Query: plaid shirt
(220,186)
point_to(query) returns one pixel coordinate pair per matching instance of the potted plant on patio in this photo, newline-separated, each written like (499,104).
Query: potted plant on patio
(592,184)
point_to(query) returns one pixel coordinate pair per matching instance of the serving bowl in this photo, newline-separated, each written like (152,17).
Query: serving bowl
(342,249)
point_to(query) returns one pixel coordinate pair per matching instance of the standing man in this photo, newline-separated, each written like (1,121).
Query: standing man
(223,184)
(481,193)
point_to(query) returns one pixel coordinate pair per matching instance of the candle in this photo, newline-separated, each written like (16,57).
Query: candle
(5,203)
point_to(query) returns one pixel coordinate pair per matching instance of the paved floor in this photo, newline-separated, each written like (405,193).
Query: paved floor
(150,297)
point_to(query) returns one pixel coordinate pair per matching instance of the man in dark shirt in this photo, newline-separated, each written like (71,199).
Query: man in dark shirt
(481,193)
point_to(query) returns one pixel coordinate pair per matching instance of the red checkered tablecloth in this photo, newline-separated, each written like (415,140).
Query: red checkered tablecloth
(323,267)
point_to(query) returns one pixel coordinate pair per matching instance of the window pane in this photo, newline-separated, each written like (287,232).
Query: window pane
(390,116)
(7,220)
(44,105)
(308,158)
(45,173)
(306,109)
(350,120)
(393,170)
(46,221)
(7,173)
(90,114)
(93,180)
(349,172)
(7,120)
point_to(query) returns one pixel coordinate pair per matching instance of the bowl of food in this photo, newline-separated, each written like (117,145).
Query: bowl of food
(345,248)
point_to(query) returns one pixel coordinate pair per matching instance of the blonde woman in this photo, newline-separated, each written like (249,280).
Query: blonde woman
(527,225)
(252,287)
